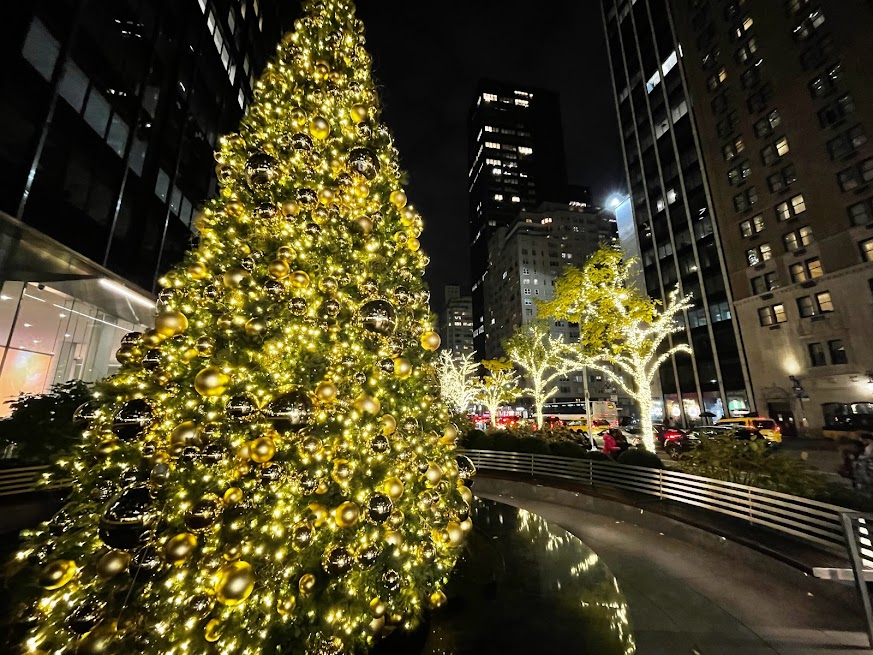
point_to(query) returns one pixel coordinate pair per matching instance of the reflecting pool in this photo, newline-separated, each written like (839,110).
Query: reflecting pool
(524,586)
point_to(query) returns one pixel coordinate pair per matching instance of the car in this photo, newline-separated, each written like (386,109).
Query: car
(680,442)
(768,428)
(581,425)
(551,422)
(662,433)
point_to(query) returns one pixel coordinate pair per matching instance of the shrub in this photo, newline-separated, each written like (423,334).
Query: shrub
(532,445)
(569,449)
(638,457)
(40,427)
(598,456)
(478,440)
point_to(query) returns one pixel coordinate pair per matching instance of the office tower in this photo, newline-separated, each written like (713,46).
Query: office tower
(109,115)
(526,257)
(673,227)
(784,107)
(456,321)
(516,157)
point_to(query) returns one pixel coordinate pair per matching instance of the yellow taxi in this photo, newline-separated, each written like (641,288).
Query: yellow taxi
(768,428)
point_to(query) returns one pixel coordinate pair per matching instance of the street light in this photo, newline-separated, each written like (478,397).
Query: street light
(615,200)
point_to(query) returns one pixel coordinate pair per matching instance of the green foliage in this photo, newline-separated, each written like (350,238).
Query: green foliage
(40,426)
(749,462)
(637,457)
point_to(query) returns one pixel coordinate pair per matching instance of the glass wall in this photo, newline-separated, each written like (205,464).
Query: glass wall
(47,337)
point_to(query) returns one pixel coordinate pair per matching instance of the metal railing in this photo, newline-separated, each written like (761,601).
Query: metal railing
(818,524)
(17,481)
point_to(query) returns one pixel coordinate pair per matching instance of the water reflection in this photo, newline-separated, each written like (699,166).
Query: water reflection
(525,586)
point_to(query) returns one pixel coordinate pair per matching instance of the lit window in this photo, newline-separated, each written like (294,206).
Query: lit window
(824,302)
(489,97)
(492,144)
(516,199)
(782,146)
(498,196)
(522,103)
(524,150)
(41,49)
(867,250)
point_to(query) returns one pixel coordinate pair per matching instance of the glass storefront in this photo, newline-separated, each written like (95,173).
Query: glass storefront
(49,336)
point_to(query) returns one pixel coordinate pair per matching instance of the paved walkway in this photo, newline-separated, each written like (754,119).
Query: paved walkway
(688,599)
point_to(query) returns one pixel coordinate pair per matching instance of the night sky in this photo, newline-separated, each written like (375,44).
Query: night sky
(428,58)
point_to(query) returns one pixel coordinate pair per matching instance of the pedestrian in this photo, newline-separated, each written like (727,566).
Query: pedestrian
(863,467)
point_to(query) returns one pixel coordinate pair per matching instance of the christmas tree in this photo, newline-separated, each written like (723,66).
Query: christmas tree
(271,470)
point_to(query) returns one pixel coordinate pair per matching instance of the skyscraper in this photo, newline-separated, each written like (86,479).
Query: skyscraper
(109,115)
(516,157)
(674,223)
(784,106)
(456,321)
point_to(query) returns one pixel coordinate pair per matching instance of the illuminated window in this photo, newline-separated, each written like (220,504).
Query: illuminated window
(524,150)
(782,146)
(867,250)
(492,144)
(489,97)
(752,226)
(498,196)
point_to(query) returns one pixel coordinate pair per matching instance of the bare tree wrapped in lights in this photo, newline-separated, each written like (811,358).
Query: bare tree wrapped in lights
(499,386)
(456,375)
(622,331)
(271,470)
(544,358)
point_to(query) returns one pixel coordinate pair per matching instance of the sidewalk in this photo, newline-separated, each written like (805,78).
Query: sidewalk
(693,596)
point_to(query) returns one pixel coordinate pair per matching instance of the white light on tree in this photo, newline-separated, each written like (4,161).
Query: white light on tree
(498,387)
(458,383)
(544,358)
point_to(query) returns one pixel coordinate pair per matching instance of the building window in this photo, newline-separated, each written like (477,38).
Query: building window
(759,254)
(764,283)
(41,49)
(808,270)
(772,315)
(867,250)
(727,125)
(809,25)
(837,351)
(742,29)
(716,80)
(797,239)
(752,226)
(720,103)
(746,51)
(837,110)
(775,150)
(793,207)
(739,173)
(817,53)
(861,213)
(783,179)
(846,143)
(820,303)
(745,200)
(731,150)
(752,75)
(816,354)
(758,100)
(796,5)
(765,126)
(854,176)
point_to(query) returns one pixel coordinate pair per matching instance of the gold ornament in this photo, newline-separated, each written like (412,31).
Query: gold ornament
(398,199)
(437,599)
(466,494)
(347,514)
(233,496)
(186,434)
(255,327)
(326,392)
(319,128)
(389,425)
(212,631)
(127,354)
(367,404)
(300,279)
(263,450)
(234,277)
(235,583)
(361,190)
(430,341)
(211,381)
(151,339)
(279,269)
(342,471)
(326,196)
(286,606)
(197,271)
(393,488)
(394,538)
(456,534)
(408,216)
(179,549)
(112,563)
(307,584)
(290,208)
(413,244)
(402,368)
(286,253)
(58,573)
(169,324)
(359,113)
(450,435)
(434,474)
(365,225)
(378,608)
(100,641)
(322,488)
(467,526)
(319,514)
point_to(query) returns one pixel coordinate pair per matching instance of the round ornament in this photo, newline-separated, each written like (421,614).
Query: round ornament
(368,555)
(84,414)
(326,392)
(242,407)
(363,162)
(367,404)
(274,287)
(430,341)
(398,199)
(85,617)
(332,307)
(402,368)
(255,327)
(307,584)
(369,288)
(391,580)
(466,468)
(301,536)
(298,306)
(389,425)
(152,360)
(347,514)
(235,583)
(261,169)
(133,419)
(185,434)
(300,279)
(379,508)
(211,381)
(290,412)
(393,487)
(378,317)
(307,197)
(180,548)
(127,519)
(57,574)
(263,450)
(235,277)
(380,444)
(204,513)
(337,561)
(319,128)
(300,141)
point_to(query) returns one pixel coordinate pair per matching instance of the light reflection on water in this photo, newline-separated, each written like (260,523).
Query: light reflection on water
(528,586)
